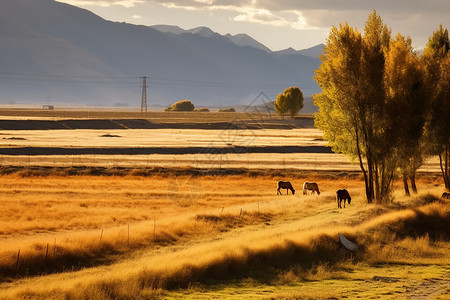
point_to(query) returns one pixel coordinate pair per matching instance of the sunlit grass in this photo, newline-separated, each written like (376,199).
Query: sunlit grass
(233,231)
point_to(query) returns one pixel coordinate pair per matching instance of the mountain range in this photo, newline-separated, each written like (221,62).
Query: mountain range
(55,53)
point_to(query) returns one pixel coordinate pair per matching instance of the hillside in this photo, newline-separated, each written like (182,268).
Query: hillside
(54,53)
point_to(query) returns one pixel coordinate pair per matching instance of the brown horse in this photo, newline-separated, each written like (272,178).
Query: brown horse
(342,195)
(285,185)
(445,195)
(310,186)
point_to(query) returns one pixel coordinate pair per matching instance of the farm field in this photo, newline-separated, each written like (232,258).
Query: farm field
(184,212)
(299,146)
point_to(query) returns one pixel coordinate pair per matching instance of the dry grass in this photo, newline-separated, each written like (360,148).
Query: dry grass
(208,158)
(164,232)
(233,231)
(153,116)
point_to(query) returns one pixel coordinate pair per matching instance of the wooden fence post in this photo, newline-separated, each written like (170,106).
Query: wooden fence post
(18,259)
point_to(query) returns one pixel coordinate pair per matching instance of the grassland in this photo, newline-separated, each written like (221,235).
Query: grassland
(231,240)
(173,231)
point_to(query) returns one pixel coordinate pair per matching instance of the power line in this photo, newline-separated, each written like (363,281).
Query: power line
(15,78)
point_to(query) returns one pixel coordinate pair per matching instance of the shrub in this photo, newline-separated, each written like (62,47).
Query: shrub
(202,109)
(229,109)
(183,105)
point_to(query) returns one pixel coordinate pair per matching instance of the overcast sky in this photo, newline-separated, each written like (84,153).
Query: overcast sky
(278,24)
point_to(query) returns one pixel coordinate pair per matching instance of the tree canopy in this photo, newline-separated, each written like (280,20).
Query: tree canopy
(290,101)
(182,105)
(437,66)
(373,102)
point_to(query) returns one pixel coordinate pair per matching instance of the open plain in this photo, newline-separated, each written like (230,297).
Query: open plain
(189,209)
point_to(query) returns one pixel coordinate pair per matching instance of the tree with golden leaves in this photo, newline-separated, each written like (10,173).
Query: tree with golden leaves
(437,64)
(290,101)
(352,107)
(406,106)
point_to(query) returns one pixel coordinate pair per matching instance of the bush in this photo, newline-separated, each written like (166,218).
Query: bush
(183,105)
(202,109)
(230,109)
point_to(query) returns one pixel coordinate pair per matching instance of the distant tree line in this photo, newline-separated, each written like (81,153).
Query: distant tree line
(383,104)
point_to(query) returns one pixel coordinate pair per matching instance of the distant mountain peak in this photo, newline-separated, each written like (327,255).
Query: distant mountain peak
(169,28)
(314,51)
(203,31)
(242,39)
(59,48)
(287,51)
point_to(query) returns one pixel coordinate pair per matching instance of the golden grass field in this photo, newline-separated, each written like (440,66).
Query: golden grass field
(173,234)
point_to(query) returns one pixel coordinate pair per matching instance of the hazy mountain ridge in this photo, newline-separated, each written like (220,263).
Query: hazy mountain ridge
(314,51)
(57,53)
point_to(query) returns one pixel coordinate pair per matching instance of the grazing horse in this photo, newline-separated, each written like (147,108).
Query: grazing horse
(310,186)
(343,195)
(285,185)
(445,195)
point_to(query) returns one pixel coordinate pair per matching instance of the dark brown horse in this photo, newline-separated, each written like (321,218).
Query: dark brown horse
(285,185)
(342,195)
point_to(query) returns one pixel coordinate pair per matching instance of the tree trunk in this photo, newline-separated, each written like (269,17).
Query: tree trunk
(412,178)
(371,171)
(443,162)
(446,163)
(405,184)
(367,180)
(377,183)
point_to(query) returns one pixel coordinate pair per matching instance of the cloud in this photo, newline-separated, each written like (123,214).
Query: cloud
(305,14)
(313,14)
(416,18)
(266,17)
(245,11)
(333,5)
(105,3)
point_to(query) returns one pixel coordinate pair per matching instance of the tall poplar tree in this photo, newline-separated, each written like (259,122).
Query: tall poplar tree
(352,107)
(437,62)
(405,97)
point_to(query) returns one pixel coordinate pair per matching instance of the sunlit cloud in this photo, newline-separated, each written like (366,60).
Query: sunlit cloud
(137,17)
(415,18)
(265,17)
(250,13)
(105,3)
